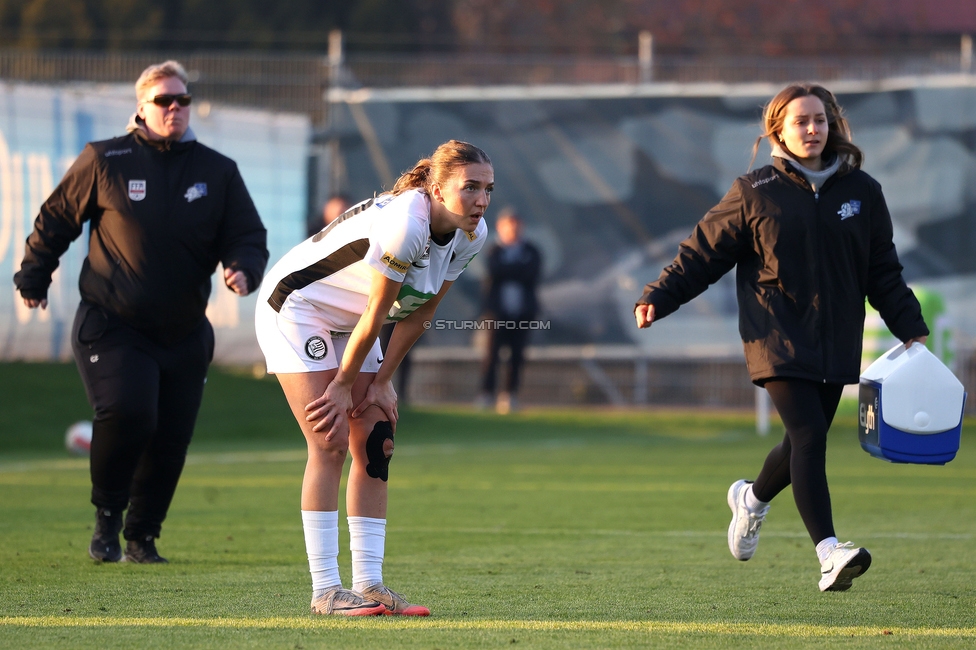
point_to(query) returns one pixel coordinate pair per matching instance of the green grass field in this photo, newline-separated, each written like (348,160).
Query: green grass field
(546,529)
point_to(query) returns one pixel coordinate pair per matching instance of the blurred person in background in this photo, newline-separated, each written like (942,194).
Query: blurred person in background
(333,208)
(163,210)
(811,237)
(514,269)
(388,259)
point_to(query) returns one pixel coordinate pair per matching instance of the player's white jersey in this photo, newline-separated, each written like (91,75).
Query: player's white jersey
(390,234)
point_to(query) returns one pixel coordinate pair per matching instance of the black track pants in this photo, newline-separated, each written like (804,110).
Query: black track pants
(146,397)
(807,409)
(515,340)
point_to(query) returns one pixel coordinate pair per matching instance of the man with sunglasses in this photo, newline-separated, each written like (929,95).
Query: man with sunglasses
(163,211)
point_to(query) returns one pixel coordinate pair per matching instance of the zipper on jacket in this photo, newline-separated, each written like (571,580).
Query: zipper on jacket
(823,348)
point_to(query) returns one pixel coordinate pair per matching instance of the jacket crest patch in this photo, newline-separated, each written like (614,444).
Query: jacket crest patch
(849,209)
(137,190)
(194,192)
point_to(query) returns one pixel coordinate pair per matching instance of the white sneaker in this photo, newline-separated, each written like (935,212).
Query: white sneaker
(343,602)
(506,404)
(744,529)
(395,603)
(843,565)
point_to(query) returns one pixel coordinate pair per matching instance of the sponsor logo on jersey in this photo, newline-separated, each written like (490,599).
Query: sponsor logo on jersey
(116,152)
(195,191)
(316,348)
(471,235)
(383,201)
(849,209)
(763,181)
(137,190)
(394,263)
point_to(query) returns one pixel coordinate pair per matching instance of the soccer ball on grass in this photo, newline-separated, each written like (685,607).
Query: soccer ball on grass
(78,437)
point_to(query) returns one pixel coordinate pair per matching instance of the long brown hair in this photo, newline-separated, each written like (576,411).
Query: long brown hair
(838,130)
(439,167)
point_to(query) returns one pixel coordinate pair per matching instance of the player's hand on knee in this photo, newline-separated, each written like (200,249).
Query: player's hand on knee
(382,395)
(335,426)
(337,435)
(330,411)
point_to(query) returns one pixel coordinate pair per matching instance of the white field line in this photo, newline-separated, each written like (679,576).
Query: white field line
(435,624)
(864,536)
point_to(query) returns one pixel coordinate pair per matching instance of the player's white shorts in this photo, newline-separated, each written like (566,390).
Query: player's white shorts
(302,342)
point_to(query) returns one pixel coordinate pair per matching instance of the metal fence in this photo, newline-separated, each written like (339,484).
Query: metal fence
(383,70)
(298,82)
(604,375)
(277,82)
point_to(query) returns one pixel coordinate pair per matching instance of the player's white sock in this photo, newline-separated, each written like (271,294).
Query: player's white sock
(825,547)
(367,538)
(752,502)
(322,546)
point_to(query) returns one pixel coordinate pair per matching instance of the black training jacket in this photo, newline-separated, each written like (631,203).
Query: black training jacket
(523,271)
(805,263)
(162,215)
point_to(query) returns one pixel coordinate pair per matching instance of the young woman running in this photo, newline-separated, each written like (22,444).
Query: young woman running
(320,309)
(811,237)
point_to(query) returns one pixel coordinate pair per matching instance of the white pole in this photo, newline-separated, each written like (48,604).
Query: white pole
(335,56)
(966,54)
(335,47)
(762,411)
(645,56)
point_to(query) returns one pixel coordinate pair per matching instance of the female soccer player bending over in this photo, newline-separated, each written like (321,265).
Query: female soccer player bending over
(320,309)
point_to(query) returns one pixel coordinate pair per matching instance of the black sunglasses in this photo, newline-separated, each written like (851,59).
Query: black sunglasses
(167,100)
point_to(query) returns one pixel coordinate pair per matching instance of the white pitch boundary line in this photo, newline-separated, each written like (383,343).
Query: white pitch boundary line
(684,534)
(489,625)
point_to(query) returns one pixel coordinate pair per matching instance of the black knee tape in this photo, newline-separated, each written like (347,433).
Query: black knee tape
(379,464)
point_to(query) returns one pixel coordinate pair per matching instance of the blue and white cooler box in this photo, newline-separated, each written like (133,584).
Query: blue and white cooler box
(911,408)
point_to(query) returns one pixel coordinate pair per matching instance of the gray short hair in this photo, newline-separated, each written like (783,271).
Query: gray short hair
(158,71)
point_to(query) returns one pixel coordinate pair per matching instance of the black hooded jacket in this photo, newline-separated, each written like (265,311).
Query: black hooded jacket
(520,268)
(805,263)
(162,215)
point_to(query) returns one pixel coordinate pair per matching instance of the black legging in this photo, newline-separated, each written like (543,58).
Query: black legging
(807,409)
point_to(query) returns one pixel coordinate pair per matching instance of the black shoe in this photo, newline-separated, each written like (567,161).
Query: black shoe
(105,546)
(143,551)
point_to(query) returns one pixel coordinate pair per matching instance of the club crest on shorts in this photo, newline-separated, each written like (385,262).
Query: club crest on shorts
(316,348)
(137,190)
